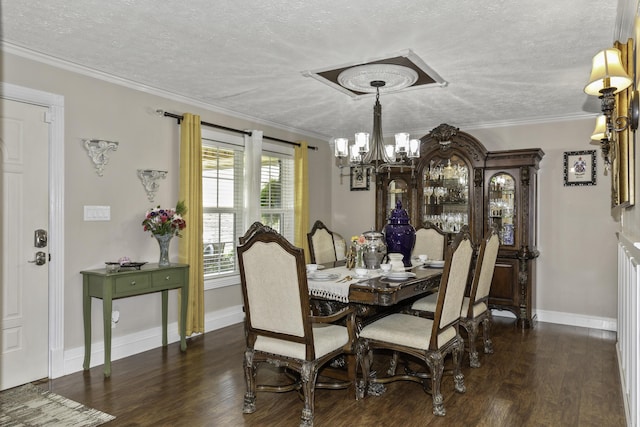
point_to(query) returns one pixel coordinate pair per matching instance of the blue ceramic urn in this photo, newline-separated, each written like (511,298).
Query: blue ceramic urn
(399,234)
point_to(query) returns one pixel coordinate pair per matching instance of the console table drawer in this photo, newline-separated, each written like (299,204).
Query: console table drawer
(131,284)
(167,278)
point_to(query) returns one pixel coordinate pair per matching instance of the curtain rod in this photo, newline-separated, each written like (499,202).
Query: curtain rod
(245,132)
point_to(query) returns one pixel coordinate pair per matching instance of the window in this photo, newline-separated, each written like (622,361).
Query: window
(276,193)
(223,188)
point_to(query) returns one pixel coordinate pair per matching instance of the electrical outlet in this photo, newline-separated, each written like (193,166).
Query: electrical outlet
(115,318)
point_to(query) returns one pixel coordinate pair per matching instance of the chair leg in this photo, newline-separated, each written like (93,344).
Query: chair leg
(471,326)
(458,377)
(249,405)
(435,362)
(364,362)
(309,376)
(486,333)
(393,364)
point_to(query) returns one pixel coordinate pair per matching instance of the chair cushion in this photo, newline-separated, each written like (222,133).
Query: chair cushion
(428,303)
(326,338)
(406,330)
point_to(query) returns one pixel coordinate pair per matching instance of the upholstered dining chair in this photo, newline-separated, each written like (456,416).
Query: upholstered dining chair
(430,340)
(322,244)
(430,241)
(475,307)
(279,326)
(340,245)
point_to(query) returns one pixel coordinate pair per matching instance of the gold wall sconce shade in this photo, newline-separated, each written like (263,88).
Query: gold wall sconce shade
(607,78)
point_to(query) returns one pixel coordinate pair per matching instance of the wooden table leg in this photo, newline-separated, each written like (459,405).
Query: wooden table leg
(184,299)
(107,305)
(86,314)
(165,298)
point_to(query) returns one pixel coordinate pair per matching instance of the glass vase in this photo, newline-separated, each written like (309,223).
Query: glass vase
(163,242)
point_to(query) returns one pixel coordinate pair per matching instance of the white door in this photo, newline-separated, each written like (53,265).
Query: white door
(24,144)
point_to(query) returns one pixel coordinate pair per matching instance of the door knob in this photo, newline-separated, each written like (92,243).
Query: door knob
(41,258)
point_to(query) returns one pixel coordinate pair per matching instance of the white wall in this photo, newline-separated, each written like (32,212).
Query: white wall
(576,274)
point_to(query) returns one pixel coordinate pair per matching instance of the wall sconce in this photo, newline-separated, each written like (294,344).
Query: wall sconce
(608,77)
(149,180)
(98,150)
(600,134)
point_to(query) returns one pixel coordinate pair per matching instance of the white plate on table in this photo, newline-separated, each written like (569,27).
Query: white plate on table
(434,264)
(398,276)
(323,277)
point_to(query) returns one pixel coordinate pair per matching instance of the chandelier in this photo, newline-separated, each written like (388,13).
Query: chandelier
(370,151)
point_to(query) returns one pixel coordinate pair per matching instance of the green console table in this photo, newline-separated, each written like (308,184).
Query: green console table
(109,286)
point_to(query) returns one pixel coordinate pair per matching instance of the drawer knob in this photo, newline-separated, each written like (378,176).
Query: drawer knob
(167,278)
(133,283)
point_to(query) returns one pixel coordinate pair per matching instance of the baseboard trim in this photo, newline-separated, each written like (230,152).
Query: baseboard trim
(573,319)
(141,341)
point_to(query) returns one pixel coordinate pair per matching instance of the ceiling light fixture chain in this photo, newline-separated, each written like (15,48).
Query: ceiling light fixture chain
(377,156)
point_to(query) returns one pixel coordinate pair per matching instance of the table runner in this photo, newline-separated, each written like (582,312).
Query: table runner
(330,289)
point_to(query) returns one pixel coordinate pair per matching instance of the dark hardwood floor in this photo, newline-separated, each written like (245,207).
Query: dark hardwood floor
(551,375)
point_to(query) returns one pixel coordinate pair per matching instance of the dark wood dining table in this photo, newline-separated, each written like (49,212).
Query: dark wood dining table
(375,297)
(379,291)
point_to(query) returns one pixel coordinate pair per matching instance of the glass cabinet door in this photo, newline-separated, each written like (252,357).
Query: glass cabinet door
(446,193)
(502,207)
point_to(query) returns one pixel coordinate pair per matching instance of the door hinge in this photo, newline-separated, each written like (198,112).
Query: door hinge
(48,117)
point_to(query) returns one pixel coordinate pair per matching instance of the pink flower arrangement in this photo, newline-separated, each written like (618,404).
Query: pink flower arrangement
(165,221)
(358,241)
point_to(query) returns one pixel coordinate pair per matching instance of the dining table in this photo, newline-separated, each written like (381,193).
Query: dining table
(334,286)
(335,282)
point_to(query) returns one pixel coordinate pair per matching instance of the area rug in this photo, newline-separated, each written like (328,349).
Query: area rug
(29,405)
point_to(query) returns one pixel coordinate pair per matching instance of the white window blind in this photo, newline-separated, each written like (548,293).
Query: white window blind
(222,187)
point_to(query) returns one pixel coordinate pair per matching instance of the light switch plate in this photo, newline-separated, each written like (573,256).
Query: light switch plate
(97,213)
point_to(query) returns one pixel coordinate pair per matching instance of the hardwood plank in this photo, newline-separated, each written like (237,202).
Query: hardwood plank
(551,375)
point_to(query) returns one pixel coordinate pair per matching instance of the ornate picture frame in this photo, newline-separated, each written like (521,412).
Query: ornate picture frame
(360,178)
(579,167)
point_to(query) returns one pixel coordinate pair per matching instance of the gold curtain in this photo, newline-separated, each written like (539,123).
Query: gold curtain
(301,205)
(623,165)
(190,249)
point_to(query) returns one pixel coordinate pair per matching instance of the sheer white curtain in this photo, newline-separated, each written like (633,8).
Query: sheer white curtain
(252,159)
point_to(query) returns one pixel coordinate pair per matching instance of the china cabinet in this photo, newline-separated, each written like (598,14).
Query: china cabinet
(456,182)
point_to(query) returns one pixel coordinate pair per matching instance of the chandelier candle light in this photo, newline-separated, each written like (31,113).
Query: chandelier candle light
(377,155)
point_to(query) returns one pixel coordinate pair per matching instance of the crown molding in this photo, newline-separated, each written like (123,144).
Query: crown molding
(130,84)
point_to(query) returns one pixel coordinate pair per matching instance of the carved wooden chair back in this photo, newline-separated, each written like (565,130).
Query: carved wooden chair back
(321,244)
(452,288)
(475,308)
(427,339)
(279,326)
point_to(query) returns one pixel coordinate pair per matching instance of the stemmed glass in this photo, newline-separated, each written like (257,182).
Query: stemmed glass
(428,191)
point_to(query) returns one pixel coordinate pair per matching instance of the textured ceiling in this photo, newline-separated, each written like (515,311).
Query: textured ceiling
(504,61)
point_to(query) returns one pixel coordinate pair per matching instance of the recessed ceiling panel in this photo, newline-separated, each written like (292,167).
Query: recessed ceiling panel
(424,75)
